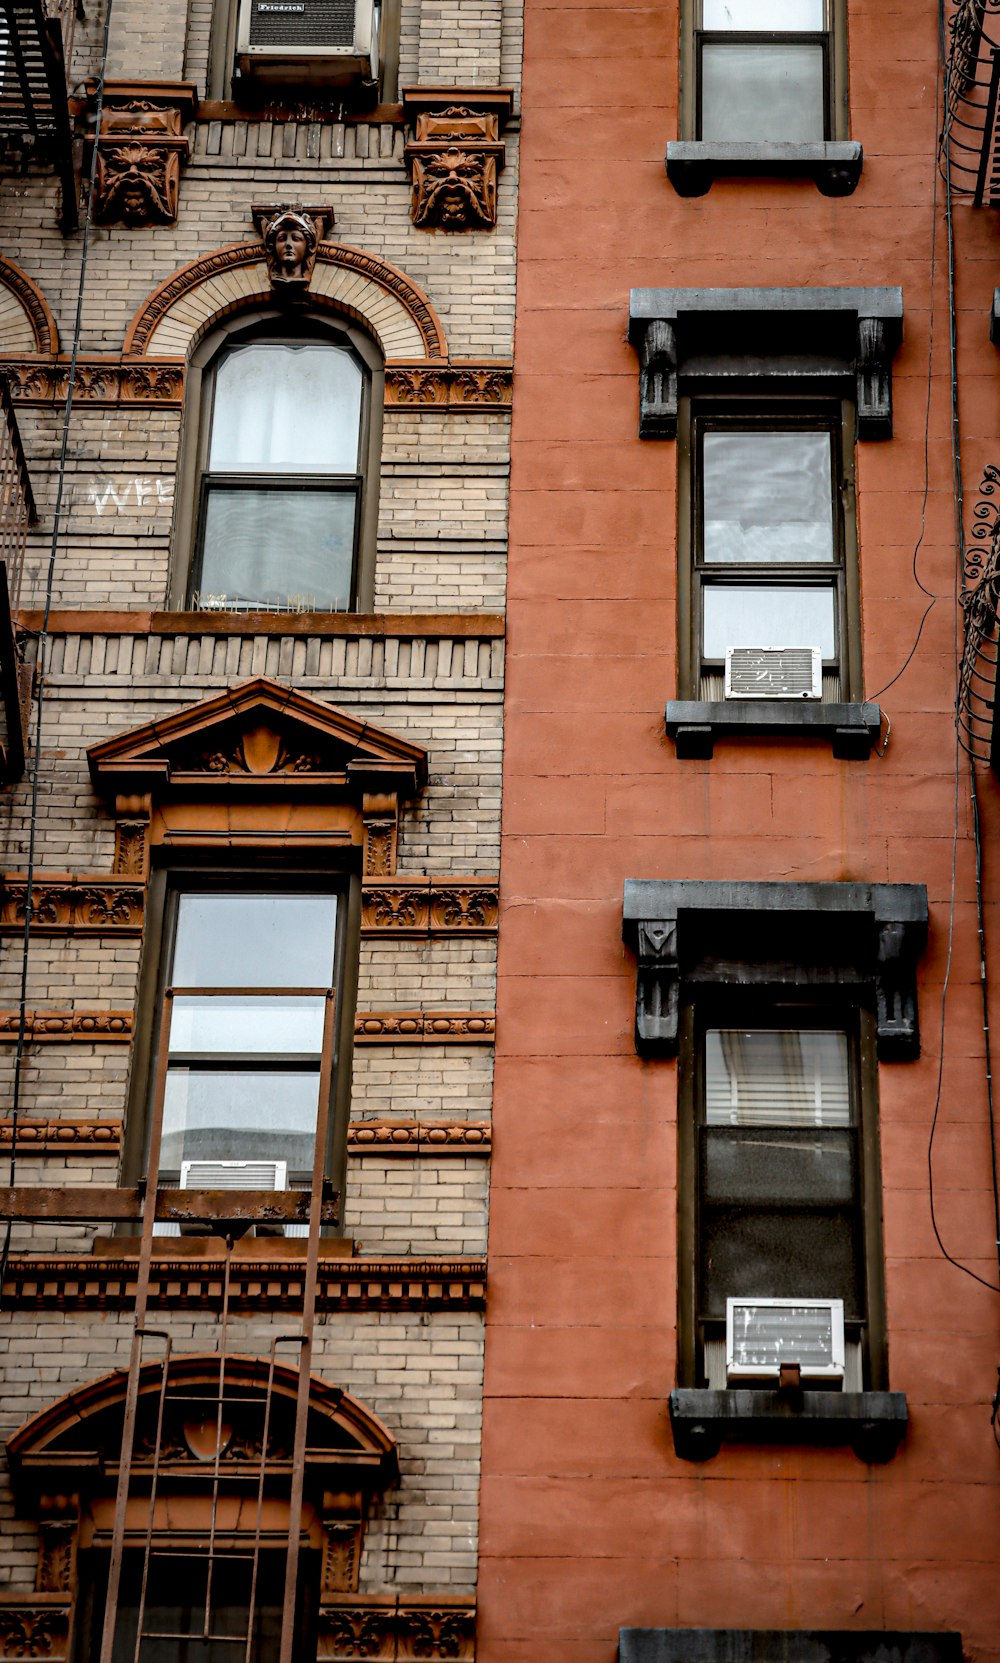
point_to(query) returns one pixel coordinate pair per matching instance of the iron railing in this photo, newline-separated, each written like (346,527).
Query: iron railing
(972,99)
(36,47)
(981,652)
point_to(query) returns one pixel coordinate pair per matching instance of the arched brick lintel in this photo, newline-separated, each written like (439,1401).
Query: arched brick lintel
(177,314)
(26,321)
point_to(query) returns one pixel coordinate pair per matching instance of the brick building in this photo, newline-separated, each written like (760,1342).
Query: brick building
(734,942)
(256,293)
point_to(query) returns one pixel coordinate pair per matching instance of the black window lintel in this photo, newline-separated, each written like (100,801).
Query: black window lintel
(884,925)
(792,1645)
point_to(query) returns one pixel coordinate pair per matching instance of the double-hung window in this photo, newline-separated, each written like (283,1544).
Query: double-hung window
(774,568)
(764,71)
(247,1010)
(279,507)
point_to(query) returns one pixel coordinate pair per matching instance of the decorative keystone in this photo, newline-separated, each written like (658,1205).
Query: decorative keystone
(455,156)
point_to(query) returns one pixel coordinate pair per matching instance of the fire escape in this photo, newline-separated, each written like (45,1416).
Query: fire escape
(36,45)
(17,513)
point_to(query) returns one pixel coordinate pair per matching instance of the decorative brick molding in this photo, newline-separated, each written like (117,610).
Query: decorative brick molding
(66,1026)
(33,304)
(104,381)
(420,1137)
(414,907)
(73,904)
(385,1627)
(62,1283)
(420,1027)
(237,256)
(140,148)
(34,1625)
(62,1137)
(455,156)
(461,386)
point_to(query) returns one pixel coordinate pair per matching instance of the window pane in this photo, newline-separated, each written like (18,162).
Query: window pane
(768,498)
(789,1254)
(770,91)
(766,617)
(763,14)
(245,1026)
(248,940)
(776,1077)
(288,551)
(286,409)
(766,1166)
(213,1115)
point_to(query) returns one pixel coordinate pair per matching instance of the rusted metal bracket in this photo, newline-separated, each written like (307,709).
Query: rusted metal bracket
(97,1204)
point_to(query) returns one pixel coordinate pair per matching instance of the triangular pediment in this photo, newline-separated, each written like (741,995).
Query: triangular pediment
(260,733)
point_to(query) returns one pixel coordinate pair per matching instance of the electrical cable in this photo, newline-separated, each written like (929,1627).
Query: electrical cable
(43,641)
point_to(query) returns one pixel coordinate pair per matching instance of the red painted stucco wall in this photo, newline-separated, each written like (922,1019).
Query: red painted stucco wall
(589,1521)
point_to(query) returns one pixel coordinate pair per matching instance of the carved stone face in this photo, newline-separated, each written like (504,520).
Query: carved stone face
(290,244)
(290,250)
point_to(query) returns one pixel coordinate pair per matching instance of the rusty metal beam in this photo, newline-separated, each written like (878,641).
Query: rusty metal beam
(97,1204)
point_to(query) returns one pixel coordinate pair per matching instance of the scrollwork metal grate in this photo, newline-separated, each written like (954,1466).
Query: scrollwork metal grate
(972,100)
(981,651)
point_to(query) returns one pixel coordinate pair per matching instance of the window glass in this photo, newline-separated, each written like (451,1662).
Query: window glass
(767,498)
(776,1077)
(292,550)
(230,1023)
(764,14)
(283,408)
(213,1115)
(253,940)
(762,616)
(768,91)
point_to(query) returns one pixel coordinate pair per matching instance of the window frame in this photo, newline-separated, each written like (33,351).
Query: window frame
(272,325)
(692,35)
(709,1007)
(253,874)
(700,413)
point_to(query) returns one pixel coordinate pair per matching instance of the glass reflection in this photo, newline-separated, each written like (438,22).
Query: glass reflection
(215,1115)
(776,1077)
(286,408)
(750,15)
(736,616)
(254,940)
(768,498)
(287,550)
(228,1024)
(767,91)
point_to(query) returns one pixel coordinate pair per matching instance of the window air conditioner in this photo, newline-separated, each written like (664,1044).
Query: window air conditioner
(774,673)
(763,1335)
(234,1175)
(320,43)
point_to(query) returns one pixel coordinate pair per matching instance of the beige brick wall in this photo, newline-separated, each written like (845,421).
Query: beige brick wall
(425,1207)
(422,1082)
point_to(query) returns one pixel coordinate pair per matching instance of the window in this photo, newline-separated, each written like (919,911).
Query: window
(774,1136)
(246,1009)
(773,544)
(224,80)
(764,70)
(280,488)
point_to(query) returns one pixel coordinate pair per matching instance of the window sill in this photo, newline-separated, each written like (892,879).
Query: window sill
(695,724)
(693,166)
(872,1423)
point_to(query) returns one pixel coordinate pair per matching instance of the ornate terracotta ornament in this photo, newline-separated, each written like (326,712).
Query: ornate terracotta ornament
(291,234)
(455,157)
(140,148)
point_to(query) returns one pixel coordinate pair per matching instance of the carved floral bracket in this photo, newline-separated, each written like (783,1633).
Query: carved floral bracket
(455,155)
(140,148)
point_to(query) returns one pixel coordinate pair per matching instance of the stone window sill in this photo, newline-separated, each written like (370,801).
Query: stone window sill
(872,1423)
(693,166)
(695,724)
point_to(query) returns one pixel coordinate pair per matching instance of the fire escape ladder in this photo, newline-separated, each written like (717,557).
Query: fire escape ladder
(17,513)
(36,41)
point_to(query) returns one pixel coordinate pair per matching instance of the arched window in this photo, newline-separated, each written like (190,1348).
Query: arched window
(277,500)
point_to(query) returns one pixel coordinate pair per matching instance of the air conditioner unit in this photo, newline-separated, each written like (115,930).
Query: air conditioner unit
(763,1335)
(316,43)
(774,673)
(231,1175)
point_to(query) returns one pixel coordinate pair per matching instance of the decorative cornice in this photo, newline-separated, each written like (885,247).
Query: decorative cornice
(385,1627)
(34,1625)
(140,148)
(105,381)
(62,1137)
(107,1026)
(486,386)
(419,1137)
(420,907)
(61,1283)
(403,626)
(419,1027)
(73,904)
(191,276)
(36,307)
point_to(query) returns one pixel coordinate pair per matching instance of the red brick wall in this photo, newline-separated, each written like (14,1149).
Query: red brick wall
(589,1522)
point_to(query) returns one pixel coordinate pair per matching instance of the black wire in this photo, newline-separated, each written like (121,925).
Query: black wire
(958,579)
(43,646)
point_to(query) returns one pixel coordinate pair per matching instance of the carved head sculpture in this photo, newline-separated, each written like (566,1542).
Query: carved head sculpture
(290,242)
(137,184)
(455,190)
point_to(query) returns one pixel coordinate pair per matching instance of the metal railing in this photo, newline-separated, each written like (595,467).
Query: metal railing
(36,46)
(972,99)
(981,651)
(17,503)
